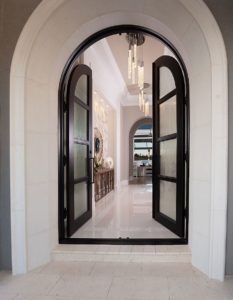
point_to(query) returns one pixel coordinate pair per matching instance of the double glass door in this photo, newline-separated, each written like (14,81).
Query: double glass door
(168,174)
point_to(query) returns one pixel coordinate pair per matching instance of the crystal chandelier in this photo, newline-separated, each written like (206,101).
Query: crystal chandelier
(136,67)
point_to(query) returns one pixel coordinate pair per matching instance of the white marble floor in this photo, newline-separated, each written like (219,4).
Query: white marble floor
(114,281)
(125,213)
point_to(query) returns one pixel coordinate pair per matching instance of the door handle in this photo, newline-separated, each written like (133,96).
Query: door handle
(92,177)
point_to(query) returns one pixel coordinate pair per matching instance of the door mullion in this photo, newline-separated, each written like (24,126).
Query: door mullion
(168,96)
(81,103)
(167,137)
(167,178)
(81,142)
(81,179)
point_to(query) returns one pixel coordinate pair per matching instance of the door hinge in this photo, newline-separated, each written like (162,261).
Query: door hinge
(65,213)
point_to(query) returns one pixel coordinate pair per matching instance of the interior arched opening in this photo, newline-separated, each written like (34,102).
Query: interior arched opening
(160,93)
(140,137)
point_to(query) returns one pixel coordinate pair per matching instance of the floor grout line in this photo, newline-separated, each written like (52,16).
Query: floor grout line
(53,286)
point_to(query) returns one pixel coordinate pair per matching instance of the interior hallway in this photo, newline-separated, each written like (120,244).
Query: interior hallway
(124,213)
(114,280)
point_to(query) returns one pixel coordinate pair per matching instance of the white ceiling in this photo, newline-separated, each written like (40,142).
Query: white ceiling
(108,59)
(152,49)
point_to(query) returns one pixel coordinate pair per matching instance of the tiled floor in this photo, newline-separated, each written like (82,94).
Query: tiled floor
(113,281)
(125,213)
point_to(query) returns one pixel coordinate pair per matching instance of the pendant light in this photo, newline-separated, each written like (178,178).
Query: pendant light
(136,67)
(135,60)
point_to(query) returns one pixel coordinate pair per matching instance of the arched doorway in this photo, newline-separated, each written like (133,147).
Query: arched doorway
(138,124)
(44,66)
(170,171)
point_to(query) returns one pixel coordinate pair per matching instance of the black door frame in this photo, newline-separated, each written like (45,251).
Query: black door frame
(62,94)
(74,224)
(177,225)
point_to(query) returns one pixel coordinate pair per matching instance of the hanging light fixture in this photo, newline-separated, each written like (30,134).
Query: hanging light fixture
(136,67)
(141,75)
(147,108)
(141,99)
(135,62)
(130,63)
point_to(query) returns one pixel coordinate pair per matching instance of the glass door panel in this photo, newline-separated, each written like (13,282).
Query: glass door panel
(80,122)
(79,144)
(80,161)
(167,113)
(81,89)
(80,199)
(169,144)
(168,158)
(167,82)
(168,199)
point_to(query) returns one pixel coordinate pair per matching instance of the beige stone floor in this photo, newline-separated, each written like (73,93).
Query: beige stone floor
(113,280)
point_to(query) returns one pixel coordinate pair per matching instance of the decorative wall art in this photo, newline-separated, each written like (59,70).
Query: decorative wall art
(98,147)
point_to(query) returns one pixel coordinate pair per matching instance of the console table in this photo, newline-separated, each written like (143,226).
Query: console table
(104,183)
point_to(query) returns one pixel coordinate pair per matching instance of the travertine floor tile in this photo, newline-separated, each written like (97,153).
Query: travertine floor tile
(114,280)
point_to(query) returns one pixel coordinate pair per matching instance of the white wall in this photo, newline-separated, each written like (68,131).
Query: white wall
(108,83)
(104,120)
(47,42)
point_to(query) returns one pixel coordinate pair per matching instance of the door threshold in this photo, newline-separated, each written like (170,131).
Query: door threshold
(123,253)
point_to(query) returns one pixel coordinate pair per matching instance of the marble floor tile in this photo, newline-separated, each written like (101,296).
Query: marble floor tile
(68,268)
(127,269)
(7,296)
(114,280)
(196,288)
(29,284)
(124,213)
(167,270)
(82,286)
(139,288)
(27,297)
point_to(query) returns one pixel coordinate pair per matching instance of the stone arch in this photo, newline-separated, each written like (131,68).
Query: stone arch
(45,45)
(146,120)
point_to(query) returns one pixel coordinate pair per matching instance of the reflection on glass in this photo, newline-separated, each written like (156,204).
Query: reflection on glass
(80,199)
(167,111)
(80,161)
(168,158)
(167,83)
(80,122)
(81,89)
(168,199)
